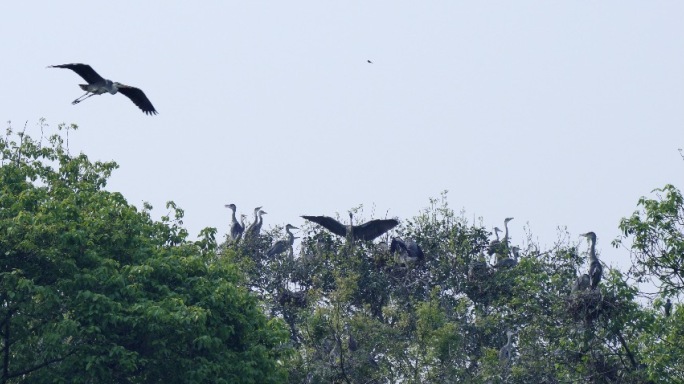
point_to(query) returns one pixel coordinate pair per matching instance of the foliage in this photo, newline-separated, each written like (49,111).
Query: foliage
(657,231)
(359,315)
(94,290)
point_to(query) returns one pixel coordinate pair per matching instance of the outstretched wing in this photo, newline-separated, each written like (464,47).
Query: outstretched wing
(84,70)
(138,97)
(374,228)
(328,223)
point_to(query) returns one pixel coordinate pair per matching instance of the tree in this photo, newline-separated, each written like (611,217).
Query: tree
(658,239)
(93,290)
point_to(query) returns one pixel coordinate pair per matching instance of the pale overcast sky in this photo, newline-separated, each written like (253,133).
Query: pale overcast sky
(555,113)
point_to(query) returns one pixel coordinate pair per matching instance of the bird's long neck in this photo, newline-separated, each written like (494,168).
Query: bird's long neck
(290,236)
(592,250)
(505,239)
(508,343)
(233,216)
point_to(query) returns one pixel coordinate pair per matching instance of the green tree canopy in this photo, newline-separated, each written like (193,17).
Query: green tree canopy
(93,290)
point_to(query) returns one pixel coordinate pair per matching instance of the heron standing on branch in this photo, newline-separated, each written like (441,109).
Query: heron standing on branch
(281,246)
(595,268)
(507,350)
(494,244)
(255,228)
(98,85)
(366,231)
(236,229)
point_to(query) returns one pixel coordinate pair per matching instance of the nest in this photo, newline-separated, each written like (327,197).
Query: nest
(588,305)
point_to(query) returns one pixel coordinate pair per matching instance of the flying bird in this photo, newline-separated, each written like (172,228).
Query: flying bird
(98,85)
(369,62)
(366,231)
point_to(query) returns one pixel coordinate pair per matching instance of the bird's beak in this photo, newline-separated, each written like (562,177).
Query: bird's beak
(295,228)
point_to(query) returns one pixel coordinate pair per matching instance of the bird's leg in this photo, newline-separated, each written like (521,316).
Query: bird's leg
(87,95)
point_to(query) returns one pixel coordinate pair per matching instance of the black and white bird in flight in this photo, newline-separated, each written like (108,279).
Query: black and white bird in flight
(98,85)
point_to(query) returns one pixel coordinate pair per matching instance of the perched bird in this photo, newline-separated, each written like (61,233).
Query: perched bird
(494,244)
(504,241)
(506,352)
(668,308)
(582,283)
(236,229)
(352,344)
(98,85)
(509,262)
(408,252)
(595,268)
(253,230)
(281,246)
(366,231)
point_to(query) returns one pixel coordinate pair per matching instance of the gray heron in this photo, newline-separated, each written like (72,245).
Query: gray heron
(281,246)
(409,251)
(255,228)
(582,283)
(366,231)
(509,262)
(98,85)
(494,244)
(595,268)
(504,241)
(506,352)
(668,308)
(236,229)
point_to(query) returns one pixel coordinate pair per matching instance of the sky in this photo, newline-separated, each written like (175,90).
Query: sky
(559,114)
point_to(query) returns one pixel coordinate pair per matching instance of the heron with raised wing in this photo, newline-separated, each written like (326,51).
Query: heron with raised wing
(366,231)
(98,85)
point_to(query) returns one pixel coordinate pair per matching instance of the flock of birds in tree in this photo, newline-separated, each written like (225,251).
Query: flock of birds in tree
(409,251)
